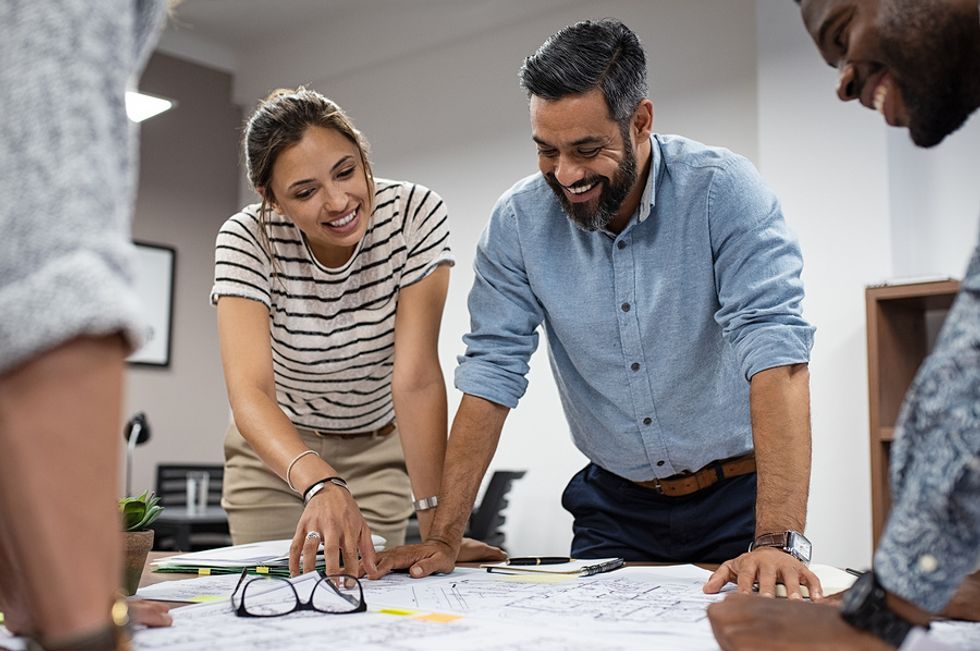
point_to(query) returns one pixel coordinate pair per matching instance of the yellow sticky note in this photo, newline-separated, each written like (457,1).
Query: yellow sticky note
(206,598)
(441,618)
(204,571)
(261,569)
(397,611)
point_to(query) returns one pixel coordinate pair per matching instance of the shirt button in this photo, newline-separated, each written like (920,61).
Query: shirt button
(647,420)
(621,245)
(635,366)
(626,307)
(660,463)
(928,563)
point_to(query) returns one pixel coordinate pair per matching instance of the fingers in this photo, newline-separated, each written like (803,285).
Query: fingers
(331,553)
(366,545)
(352,564)
(812,582)
(311,545)
(149,613)
(746,576)
(436,561)
(767,580)
(296,548)
(719,578)
(791,579)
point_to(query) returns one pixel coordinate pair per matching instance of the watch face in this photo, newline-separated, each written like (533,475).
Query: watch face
(859,593)
(799,545)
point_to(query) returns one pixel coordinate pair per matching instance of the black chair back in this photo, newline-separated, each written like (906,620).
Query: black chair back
(171,482)
(487,519)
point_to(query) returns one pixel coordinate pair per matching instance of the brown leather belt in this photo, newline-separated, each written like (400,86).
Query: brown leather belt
(714,472)
(381,432)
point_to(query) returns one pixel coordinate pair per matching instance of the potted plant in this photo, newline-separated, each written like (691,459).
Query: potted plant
(138,513)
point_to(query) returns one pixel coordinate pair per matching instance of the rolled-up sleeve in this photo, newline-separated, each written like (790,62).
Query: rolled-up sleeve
(932,539)
(757,271)
(504,316)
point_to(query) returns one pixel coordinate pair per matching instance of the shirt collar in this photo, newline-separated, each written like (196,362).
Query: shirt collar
(649,197)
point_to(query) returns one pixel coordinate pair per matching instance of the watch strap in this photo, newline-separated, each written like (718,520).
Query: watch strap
(865,608)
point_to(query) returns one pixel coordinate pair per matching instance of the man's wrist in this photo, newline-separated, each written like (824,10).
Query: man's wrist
(907,610)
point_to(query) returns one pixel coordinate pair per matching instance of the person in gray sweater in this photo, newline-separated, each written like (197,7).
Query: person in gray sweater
(68,311)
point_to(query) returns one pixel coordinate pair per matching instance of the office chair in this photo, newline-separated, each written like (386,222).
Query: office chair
(171,486)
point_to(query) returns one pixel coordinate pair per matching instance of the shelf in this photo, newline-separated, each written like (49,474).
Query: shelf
(903,322)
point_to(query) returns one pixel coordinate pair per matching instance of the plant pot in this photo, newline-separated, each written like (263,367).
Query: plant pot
(136,545)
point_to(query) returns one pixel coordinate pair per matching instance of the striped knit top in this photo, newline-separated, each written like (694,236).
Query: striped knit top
(333,330)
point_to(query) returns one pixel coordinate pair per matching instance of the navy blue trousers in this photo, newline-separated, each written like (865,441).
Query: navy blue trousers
(616,518)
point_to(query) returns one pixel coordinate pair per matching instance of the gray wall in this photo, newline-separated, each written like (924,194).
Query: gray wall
(188,187)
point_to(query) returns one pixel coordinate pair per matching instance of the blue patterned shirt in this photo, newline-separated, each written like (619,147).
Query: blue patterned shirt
(653,333)
(932,540)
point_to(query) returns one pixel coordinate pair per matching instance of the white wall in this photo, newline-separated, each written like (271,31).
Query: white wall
(935,201)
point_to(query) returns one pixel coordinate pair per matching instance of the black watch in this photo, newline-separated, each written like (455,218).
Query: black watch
(865,609)
(792,542)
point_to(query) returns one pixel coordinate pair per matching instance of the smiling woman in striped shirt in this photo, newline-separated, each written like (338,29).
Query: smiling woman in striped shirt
(329,295)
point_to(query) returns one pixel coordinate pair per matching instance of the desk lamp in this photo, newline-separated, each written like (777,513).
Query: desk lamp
(136,432)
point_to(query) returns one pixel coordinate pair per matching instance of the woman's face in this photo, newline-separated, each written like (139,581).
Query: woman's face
(320,185)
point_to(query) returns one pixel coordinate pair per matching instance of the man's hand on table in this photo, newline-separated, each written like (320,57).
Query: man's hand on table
(766,566)
(434,556)
(749,623)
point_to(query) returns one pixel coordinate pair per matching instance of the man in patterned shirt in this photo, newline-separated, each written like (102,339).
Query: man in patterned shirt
(918,64)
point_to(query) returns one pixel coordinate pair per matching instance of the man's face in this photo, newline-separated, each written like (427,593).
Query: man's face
(584,156)
(913,61)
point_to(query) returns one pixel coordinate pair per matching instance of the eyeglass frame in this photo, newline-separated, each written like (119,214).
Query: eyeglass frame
(299,605)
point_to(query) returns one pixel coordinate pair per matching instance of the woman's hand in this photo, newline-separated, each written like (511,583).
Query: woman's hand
(333,516)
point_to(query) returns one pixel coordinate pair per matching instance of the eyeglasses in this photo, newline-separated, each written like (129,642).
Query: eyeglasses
(334,594)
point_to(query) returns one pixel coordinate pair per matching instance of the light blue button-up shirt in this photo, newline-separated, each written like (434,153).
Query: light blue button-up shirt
(653,333)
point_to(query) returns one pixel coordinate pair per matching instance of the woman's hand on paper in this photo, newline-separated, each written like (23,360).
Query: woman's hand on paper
(766,566)
(333,515)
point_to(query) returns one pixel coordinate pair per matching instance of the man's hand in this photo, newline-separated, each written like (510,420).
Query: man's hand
(149,613)
(475,550)
(420,560)
(746,622)
(766,566)
(965,603)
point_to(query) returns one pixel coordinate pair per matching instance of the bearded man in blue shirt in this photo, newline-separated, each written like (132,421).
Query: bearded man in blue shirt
(669,288)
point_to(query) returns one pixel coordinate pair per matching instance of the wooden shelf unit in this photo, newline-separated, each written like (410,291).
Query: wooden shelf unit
(902,322)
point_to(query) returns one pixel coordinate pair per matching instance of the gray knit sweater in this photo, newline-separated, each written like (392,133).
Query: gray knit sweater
(67,170)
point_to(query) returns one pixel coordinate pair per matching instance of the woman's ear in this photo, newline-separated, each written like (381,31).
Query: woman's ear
(268,198)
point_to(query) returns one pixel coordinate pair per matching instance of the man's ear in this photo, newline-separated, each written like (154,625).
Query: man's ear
(643,120)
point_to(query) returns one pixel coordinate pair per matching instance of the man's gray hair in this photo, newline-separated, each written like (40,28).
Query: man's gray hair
(603,54)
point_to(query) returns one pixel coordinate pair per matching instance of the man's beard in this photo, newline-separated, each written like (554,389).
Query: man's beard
(595,215)
(937,67)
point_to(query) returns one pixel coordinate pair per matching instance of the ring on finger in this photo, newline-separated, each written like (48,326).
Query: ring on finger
(313,535)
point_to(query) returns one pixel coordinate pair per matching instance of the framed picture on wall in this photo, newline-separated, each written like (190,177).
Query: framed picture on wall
(155,265)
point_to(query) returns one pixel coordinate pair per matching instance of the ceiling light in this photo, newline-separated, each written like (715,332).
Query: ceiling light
(140,106)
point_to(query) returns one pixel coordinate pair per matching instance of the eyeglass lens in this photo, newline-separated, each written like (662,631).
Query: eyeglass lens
(270,596)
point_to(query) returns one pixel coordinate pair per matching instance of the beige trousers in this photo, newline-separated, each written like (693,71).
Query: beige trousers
(260,505)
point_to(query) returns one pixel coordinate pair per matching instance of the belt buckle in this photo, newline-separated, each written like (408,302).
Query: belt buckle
(657,486)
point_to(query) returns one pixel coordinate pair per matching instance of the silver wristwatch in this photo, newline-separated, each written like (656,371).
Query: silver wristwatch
(792,542)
